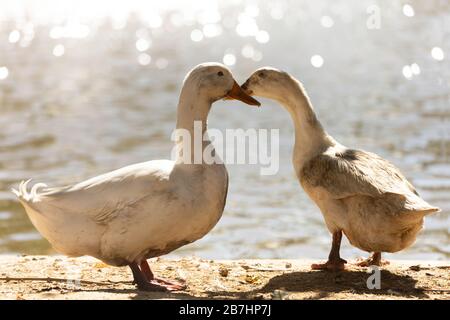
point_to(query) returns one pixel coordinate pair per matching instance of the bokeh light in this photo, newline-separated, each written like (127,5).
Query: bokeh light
(262,36)
(59,50)
(408,10)
(142,45)
(317,61)
(248,51)
(14,36)
(407,72)
(437,53)
(4,72)
(196,35)
(144,59)
(229,59)
(326,22)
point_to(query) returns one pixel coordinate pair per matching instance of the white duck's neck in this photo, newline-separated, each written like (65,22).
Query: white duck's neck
(192,115)
(310,137)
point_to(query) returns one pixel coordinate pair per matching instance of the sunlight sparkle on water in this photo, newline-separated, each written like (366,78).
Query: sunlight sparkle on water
(317,61)
(196,35)
(14,36)
(154,20)
(229,59)
(59,50)
(142,45)
(326,22)
(262,36)
(144,59)
(4,72)
(248,51)
(407,72)
(247,26)
(408,10)
(437,53)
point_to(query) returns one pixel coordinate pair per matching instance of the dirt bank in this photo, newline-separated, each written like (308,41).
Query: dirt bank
(56,277)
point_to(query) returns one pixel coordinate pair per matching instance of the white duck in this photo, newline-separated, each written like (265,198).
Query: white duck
(147,209)
(358,192)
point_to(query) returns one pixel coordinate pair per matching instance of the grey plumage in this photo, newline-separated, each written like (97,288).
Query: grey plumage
(354,172)
(358,192)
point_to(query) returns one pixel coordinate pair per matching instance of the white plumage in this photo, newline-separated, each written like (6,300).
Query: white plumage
(147,209)
(137,212)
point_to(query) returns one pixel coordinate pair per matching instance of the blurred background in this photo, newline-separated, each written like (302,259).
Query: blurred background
(89,86)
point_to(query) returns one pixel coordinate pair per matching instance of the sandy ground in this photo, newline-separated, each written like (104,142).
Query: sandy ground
(58,277)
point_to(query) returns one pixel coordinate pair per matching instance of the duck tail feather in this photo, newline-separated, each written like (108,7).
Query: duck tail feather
(22,191)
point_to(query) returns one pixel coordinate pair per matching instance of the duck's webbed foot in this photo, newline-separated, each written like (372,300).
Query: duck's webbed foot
(171,285)
(333,265)
(335,262)
(146,281)
(373,260)
(168,285)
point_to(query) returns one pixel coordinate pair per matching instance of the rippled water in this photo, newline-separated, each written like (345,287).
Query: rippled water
(87,94)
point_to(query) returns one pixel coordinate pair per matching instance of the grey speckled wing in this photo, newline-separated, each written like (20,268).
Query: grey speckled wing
(355,172)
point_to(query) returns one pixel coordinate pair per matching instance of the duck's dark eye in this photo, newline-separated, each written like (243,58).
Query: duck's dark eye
(262,75)
(220,73)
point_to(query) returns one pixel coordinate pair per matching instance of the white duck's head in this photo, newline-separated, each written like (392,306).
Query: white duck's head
(270,83)
(214,81)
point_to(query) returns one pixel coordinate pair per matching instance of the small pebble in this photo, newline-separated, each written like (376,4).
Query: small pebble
(415,268)
(223,271)
(251,278)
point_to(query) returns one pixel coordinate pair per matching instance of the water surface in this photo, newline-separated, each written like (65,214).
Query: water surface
(91,86)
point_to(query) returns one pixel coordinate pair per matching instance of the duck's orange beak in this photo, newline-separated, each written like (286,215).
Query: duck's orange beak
(237,93)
